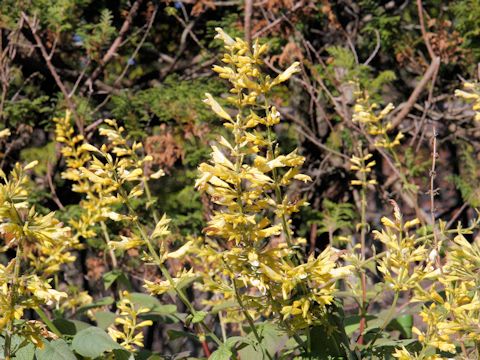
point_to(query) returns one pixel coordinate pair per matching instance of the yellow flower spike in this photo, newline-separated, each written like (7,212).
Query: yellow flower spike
(248,179)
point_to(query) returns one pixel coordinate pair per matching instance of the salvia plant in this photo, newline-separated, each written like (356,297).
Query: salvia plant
(249,286)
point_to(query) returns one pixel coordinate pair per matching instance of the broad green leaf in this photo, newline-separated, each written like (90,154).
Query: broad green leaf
(26,352)
(199,316)
(222,353)
(158,311)
(273,341)
(55,350)
(70,327)
(403,324)
(145,300)
(20,347)
(116,275)
(93,342)
(123,355)
(104,319)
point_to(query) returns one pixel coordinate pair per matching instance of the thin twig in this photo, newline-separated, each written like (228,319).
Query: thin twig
(248,21)
(53,71)
(406,107)
(375,51)
(432,193)
(116,43)
(424,32)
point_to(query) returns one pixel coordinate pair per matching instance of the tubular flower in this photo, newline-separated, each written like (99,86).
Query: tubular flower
(471,93)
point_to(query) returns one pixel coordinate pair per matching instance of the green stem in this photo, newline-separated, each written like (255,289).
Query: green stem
(163,269)
(12,299)
(107,240)
(150,199)
(386,321)
(47,321)
(249,317)
(170,280)
(278,191)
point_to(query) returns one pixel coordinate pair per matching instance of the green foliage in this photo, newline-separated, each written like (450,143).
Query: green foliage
(363,75)
(387,23)
(27,111)
(175,100)
(468,24)
(92,342)
(467,181)
(94,36)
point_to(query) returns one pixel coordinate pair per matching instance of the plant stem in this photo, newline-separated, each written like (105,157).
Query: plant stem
(363,280)
(47,321)
(157,258)
(169,278)
(386,321)
(149,198)
(11,300)
(249,319)
(107,240)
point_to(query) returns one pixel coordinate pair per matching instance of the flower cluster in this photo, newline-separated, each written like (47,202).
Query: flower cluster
(42,245)
(406,261)
(128,319)
(365,113)
(363,167)
(453,299)
(247,179)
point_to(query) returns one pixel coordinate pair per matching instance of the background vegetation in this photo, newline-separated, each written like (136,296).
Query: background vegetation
(148,64)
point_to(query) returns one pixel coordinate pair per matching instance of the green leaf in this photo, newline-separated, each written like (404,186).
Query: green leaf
(26,352)
(331,339)
(273,341)
(123,355)
(145,300)
(199,316)
(222,353)
(55,350)
(93,342)
(104,319)
(403,324)
(179,334)
(70,327)
(115,275)
(352,323)
(157,309)
(187,281)
(223,306)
